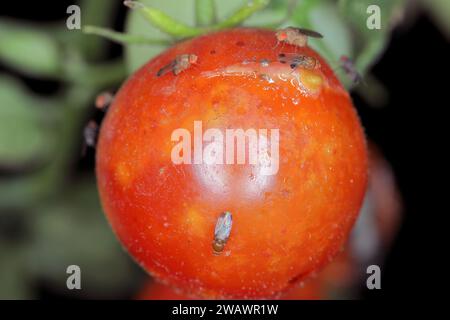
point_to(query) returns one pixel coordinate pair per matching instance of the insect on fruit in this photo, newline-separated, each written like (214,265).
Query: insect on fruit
(90,135)
(296,36)
(309,33)
(349,68)
(91,130)
(222,231)
(297,60)
(181,63)
(103,100)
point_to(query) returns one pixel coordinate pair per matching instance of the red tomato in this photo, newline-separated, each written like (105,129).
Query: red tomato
(285,225)
(336,278)
(156,291)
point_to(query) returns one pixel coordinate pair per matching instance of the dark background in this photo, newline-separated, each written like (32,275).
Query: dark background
(410,132)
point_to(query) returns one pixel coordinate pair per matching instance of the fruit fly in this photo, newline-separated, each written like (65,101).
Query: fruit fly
(222,231)
(103,100)
(298,60)
(90,134)
(296,36)
(349,68)
(181,63)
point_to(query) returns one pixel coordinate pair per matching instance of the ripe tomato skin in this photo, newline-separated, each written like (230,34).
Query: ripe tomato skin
(336,278)
(156,291)
(312,290)
(285,226)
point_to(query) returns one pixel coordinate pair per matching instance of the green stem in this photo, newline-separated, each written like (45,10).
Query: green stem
(100,13)
(205,12)
(163,22)
(124,38)
(242,14)
(179,30)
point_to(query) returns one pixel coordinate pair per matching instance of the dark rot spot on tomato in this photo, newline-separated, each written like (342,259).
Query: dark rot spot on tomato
(295,280)
(240,43)
(165,213)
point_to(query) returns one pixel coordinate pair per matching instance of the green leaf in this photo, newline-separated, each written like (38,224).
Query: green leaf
(355,12)
(14,283)
(26,136)
(25,190)
(241,14)
(72,229)
(370,44)
(29,50)
(275,14)
(338,41)
(440,12)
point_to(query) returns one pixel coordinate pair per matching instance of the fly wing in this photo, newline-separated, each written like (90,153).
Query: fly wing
(310,33)
(287,57)
(90,133)
(223,226)
(167,68)
(298,60)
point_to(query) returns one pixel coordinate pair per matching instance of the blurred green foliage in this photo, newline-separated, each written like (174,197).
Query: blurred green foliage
(72,230)
(56,206)
(19,40)
(29,128)
(55,209)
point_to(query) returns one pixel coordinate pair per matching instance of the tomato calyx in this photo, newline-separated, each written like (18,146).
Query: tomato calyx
(174,29)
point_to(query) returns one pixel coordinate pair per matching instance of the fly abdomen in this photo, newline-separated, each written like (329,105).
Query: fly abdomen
(222,231)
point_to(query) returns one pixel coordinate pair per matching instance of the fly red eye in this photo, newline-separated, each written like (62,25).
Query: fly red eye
(193,58)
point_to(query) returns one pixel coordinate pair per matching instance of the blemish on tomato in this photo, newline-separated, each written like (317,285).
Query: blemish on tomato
(195,223)
(123,174)
(295,101)
(267,78)
(312,80)
(272,72)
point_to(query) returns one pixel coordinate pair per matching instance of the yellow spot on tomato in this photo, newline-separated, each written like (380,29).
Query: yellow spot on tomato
(123,175)
(195,223)
(311,80)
